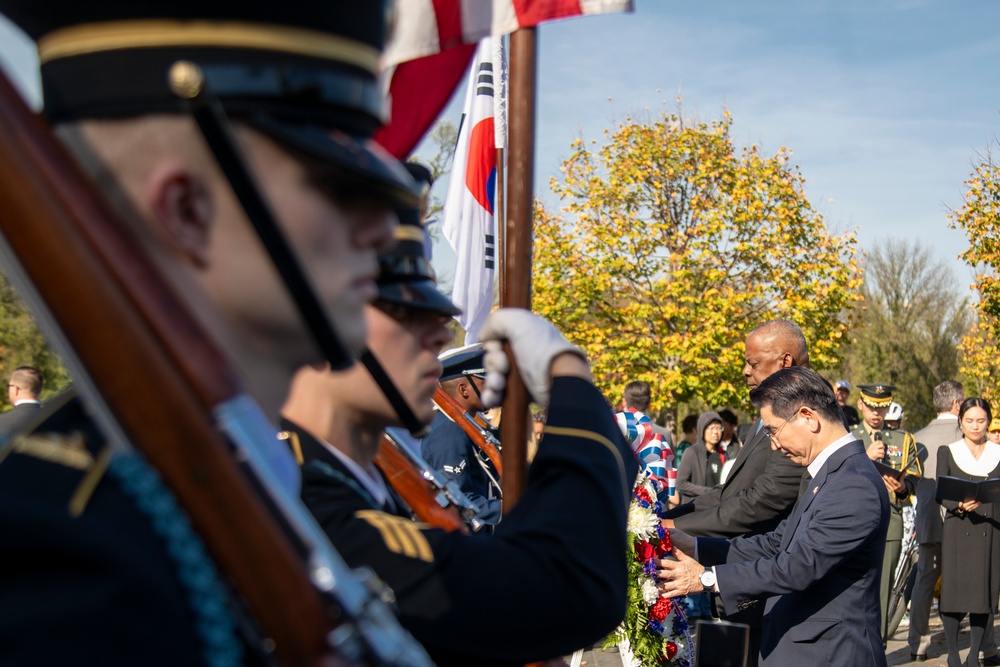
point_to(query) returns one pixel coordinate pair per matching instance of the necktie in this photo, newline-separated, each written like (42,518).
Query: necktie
(804,484)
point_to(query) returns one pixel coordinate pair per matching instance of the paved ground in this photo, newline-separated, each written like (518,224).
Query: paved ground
(898,652)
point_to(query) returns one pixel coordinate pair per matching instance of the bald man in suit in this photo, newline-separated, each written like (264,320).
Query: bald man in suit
(762,485)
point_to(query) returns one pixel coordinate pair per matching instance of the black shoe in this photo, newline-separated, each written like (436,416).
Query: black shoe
(920,657)
(992,660)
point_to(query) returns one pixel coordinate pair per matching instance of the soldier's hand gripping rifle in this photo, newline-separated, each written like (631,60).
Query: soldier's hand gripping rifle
(157,383)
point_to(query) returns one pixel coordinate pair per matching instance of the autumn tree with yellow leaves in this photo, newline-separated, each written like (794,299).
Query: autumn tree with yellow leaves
(672,244)
(979,218)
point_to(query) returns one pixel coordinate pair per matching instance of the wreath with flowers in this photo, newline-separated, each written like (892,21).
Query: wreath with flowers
(655,629)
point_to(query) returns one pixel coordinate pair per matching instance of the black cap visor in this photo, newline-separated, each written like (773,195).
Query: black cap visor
(360,166)
(417,294)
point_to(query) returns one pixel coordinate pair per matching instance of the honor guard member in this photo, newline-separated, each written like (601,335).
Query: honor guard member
(470,599)
(334,422)
(897,449)
(449,448)
(100,565)
(425,180)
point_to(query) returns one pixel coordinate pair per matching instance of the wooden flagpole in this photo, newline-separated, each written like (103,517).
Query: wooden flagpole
(516,280)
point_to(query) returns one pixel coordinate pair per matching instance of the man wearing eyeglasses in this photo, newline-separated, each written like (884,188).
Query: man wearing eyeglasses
(819,569)
(24,391)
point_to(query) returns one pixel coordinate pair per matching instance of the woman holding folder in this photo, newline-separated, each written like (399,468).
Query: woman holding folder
(970,548)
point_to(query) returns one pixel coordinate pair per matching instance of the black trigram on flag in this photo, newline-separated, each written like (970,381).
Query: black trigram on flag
(484,82)
(489,251)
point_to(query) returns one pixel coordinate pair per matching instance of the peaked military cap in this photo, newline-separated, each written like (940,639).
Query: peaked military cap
(406,277)
(462,362)
(302,72)
(420,173)
(876,395)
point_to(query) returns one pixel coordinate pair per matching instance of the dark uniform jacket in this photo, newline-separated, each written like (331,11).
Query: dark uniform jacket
(100,588)
(450,450)
(551,579)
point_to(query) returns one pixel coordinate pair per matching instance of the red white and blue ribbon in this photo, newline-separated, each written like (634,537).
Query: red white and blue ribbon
(654,455)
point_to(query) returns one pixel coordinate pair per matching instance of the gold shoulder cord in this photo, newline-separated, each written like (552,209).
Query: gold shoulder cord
(294,443)
(85,490)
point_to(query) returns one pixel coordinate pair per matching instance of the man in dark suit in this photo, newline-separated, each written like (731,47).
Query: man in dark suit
(762,485)
(24,390)
(820,568)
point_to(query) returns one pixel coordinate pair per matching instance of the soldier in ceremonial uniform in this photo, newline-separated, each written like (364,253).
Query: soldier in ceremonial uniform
(470,599)
(100,565)
(895,448)
(449,449)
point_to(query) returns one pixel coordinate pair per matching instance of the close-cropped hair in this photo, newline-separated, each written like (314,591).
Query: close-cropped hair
(946,393)
(637,395)
(790,334)
(788,389)
(29,379)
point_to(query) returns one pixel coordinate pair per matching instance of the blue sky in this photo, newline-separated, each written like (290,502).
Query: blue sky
(884,105)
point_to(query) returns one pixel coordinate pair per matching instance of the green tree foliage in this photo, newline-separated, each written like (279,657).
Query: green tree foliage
(22,344)
(979,218)
(673,244)
(912,319)
(981,361)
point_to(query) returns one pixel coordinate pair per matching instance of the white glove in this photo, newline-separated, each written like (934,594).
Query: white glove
(534,341)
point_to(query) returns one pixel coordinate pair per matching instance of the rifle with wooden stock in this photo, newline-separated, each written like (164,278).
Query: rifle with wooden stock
(480,436)
(157,383)
(434,498)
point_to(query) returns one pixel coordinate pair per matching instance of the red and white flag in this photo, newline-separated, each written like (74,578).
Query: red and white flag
(469,223)
(433,43)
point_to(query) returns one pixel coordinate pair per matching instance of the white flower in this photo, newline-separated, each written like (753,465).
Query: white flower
(641,522)
(647,484)
(649,592)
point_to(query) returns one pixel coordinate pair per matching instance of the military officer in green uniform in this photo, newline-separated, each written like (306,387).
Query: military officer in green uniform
(895,448)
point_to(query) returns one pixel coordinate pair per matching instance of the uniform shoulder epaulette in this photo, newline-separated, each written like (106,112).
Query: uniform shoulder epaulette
(67,450)
(33,437)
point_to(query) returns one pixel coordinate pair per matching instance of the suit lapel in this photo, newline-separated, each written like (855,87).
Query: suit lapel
(803,503)
(802,506)
(741,458)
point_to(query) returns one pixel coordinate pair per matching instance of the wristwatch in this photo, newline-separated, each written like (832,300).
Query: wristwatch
(708,580)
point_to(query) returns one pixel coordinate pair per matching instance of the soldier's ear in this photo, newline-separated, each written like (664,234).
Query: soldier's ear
(181,203)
